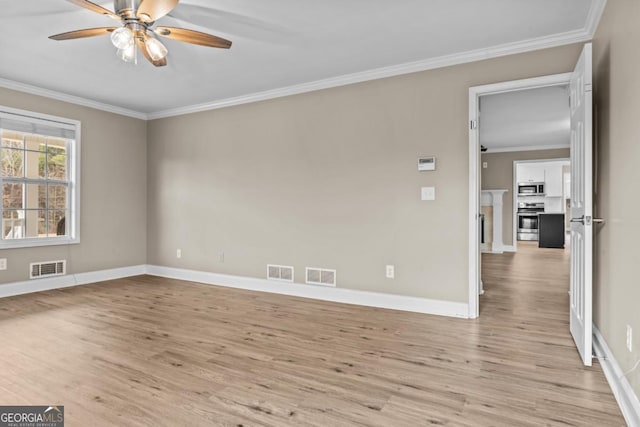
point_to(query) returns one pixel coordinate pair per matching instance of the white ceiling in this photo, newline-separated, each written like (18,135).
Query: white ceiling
(525,120)
(276,44)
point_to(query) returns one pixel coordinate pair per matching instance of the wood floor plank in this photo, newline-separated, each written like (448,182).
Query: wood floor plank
(148,351)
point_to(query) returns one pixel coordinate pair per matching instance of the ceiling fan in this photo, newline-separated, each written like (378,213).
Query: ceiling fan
(137,19)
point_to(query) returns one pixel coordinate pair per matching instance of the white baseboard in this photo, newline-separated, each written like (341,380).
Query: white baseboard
(503,248)
(58,282)
(624,394)
(491,252)
(348,296)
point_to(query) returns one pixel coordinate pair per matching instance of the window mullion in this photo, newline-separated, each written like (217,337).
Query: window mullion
(14,180)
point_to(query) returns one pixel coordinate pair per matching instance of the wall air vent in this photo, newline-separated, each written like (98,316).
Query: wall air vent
(320,276)
(47,269)
(280,272)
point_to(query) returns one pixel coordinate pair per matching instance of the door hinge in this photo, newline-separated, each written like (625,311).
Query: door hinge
(473,124)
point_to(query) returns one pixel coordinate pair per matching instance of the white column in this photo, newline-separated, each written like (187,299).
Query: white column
(494,198)
(498,244)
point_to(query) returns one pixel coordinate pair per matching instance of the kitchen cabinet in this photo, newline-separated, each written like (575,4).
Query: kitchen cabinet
(553,180)
(530,172)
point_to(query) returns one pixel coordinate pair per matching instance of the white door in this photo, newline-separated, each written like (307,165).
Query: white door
(580,291)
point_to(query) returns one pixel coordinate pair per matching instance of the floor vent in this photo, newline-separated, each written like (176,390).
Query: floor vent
(321,276)
(47,269)
(280,272)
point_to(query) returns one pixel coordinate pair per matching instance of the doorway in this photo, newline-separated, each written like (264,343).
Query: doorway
(580,104)
(477,97)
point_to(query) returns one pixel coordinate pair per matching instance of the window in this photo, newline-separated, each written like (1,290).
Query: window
(39,179)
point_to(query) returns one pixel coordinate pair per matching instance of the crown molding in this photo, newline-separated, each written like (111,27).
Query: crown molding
(576,36)
(594,16)
(380,73)
(72,99)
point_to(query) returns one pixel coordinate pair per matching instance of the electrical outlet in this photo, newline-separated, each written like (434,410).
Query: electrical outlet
(391,271)
(485,165)
(221,257)
(179,253)
(3,263)
(629,338)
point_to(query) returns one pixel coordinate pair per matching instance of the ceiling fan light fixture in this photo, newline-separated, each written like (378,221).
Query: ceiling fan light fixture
(138,30)
(128,54)
(122,38)
(156,50)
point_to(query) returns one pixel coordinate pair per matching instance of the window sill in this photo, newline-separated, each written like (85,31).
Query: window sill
(34,243)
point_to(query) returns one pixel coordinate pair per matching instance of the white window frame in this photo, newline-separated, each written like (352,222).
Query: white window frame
(73,170)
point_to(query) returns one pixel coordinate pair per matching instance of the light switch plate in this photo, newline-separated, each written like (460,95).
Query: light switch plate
(428,193)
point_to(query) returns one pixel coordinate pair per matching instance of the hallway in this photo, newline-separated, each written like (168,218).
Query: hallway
(532,280)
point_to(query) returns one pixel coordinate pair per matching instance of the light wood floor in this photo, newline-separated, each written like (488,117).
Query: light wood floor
(155,352)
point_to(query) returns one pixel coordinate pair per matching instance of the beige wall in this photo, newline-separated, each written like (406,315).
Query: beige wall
(329,179)
(499,175)
(617,97)
(113,191)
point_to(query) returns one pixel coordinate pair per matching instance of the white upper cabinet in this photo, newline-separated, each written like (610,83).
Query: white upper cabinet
(548,172)
(553,180)
(530,172)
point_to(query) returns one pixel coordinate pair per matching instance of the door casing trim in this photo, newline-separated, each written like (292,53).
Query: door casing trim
(474,168)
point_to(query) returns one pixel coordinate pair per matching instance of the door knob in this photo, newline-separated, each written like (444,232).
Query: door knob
(589,220)
(580,220)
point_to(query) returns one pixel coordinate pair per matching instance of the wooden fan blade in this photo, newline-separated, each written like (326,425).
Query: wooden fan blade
(143,48)
(78,34)
(152,10)
(194,37)
(95,8)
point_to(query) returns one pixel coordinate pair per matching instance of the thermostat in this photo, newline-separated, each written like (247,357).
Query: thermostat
(426,164)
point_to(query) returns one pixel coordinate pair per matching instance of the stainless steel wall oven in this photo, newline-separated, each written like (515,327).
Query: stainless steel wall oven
(528,220)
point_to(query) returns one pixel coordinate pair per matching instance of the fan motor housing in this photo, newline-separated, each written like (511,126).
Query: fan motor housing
(126,8)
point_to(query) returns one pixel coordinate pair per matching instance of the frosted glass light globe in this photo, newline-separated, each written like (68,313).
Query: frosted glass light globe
(156,50)
(122,38)
(128,54)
